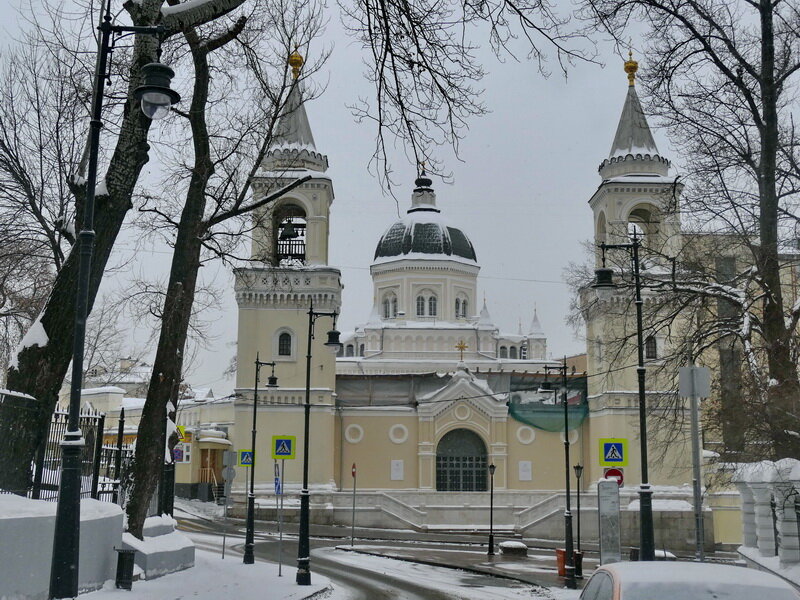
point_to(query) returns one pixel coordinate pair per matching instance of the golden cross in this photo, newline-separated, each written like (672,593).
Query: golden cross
(461,346)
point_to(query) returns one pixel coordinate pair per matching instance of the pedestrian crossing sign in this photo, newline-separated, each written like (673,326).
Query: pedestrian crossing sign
(245,458)
(613,452)
(283,446)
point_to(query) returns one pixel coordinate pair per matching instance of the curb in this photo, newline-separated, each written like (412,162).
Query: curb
(319,594)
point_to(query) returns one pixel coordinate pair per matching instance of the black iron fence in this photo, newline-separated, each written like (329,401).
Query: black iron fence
(104,467)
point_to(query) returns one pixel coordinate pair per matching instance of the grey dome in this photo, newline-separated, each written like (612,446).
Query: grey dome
(423,232)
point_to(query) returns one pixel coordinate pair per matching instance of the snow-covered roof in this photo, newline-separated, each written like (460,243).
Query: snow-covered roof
(633,133)
(423,233)
(107,389)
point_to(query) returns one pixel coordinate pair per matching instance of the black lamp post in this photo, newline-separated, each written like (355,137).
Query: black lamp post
(272,382)
(579,562)
(66,540)
(604,284)
(569,558)
(492,468)
(303,546)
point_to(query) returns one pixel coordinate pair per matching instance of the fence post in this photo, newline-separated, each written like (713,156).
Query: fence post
(37,477)
(98,451)
(118,457)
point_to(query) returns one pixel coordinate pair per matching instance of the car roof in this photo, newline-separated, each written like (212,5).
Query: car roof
(668,571)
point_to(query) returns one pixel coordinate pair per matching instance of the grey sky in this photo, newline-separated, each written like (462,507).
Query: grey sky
(520,192)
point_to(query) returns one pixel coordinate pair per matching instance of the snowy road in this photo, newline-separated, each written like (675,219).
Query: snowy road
(362,577)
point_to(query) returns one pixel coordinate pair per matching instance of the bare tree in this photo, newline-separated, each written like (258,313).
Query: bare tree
(39,369)
(218,205)
(423,61)
(722,78)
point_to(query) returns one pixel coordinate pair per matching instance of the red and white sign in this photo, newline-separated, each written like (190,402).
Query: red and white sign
(615,473)
(353,470)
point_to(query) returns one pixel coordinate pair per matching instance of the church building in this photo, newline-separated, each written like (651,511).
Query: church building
(428,403)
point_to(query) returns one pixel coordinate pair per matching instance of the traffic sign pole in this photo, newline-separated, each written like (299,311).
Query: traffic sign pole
(353,519)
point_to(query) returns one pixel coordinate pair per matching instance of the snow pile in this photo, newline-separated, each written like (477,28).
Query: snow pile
(36,336)
(665,504)
(212,577)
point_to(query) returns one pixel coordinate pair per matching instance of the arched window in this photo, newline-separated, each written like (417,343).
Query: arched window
(461,462)
(650,348)
(361,350)
(512,352)
(503,352)
(349,350)
(390,306)
(289,226)
(464,312)
(426,304)
(285,344)
(458,307)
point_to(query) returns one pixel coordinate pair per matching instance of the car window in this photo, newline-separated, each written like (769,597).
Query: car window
(599,587)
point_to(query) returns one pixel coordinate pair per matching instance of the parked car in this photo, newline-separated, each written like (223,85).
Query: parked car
(684,581)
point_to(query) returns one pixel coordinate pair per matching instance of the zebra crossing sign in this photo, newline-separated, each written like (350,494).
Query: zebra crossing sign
(283,446)
(613,452)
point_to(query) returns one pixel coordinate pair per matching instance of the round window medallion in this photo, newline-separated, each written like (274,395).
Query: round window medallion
(354,433)
(398,433)
(573,436)
(525,434)
(462,412)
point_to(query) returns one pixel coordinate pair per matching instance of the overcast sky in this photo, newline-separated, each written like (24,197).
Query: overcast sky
(519,192)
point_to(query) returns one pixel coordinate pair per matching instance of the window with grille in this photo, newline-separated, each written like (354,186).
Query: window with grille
(461,462)
(285,344)
(650,347)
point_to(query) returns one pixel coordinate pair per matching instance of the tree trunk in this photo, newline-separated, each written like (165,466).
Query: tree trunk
(168,365)
(783,388)
(40,370)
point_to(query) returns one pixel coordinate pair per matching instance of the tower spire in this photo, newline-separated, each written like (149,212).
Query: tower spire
(293,144)
(633,150)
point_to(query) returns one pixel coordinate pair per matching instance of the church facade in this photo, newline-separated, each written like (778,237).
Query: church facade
(428,393)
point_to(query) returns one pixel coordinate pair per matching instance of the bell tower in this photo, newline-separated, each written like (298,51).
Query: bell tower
(637,193)
(289,273)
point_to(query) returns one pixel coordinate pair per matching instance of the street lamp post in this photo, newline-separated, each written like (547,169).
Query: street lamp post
(249,543)
(303,546)
(579,562)
(604,283)
(491,510)
(569,558)
(66,540)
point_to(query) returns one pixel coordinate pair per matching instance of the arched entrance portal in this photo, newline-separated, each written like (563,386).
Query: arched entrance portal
(461,462)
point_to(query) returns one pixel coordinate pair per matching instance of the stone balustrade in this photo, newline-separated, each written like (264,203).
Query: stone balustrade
(770,493)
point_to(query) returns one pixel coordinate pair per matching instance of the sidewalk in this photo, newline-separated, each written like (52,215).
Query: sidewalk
(213,579)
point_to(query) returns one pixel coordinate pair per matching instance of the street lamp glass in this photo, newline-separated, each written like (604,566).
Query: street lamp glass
(491,469)
(155,105)
(272,381)
(333,343)
(578,471)
(155,94)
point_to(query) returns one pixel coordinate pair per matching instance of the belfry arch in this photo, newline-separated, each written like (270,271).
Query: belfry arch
(461,462)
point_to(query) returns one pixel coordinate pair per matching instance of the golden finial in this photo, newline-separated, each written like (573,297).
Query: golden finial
(461,346)
(296,62)
(631,66)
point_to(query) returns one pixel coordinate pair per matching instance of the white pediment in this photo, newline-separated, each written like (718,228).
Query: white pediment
(463,388)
